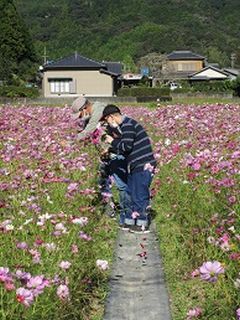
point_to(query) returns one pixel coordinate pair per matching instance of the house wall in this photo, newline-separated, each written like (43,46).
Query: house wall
(185,65)
(211,74)
(87,82)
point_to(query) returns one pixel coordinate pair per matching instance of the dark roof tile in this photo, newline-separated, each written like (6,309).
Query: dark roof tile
(184,55)
(113,67)
(75,61)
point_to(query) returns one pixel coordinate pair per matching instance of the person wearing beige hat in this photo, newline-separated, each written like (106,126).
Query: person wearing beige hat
(89,113)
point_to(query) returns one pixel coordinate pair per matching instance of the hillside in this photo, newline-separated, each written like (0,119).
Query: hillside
(123,29)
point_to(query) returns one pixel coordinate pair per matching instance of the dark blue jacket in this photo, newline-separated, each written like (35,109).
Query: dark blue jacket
(134,144)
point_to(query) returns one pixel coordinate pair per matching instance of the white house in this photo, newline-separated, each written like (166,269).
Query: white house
(77,75)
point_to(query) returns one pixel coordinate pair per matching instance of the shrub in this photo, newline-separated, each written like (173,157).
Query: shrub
(143,92)
(212,86)
(236,86)
(18,92)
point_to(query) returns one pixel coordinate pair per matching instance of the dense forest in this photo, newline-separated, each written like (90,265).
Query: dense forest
(125,30)
(18,58)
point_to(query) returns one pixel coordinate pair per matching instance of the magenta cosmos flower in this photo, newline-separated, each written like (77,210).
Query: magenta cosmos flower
(209,271)
(25,296)
(63,292)
(194,313)
(238,313)
(65,265)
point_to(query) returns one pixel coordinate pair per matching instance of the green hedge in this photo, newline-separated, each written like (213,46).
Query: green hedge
(18,92)
(143,92)
(212,86)
(236,86)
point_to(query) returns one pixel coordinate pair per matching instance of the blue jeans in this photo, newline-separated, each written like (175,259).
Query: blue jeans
(139,186)
(118,169)
(104,180)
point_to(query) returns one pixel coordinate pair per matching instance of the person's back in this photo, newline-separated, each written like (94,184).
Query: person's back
(137,145)
(93,121)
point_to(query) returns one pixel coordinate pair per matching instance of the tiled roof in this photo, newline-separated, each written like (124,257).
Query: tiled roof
(108,72)
(209,67)
(180,75)
(232,71)
(74,61)
(184,55)
(113,67)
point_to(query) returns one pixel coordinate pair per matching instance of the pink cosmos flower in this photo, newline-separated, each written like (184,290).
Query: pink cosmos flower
(232,199)
(9,286)
(84,236)
(36,256)
(106,196)
(209,271)
(37,284)
(65,265)
(60,227)
(238,314)
(72,187)
(50,246)
(196,166)
(25,296)
(74,249)
(4,274)
(63,292)
(195,273)
(194,313)
(135,214)
(83,221)
(88,191)
(102,264)
(28,174)
(22,245)
(149,167)
(23,276)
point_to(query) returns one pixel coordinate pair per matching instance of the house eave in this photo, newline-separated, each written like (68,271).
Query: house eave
(56,68)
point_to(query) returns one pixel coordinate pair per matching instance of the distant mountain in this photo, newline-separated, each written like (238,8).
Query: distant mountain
(129,29)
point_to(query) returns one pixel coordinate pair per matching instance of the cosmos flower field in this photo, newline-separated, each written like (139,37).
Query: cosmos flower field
(56,245)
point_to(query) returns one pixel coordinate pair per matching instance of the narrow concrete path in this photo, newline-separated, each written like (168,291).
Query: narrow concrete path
(137,287)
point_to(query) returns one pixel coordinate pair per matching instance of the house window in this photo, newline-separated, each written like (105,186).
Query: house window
(62,86)
(189,67)
(180,67)
(186,67)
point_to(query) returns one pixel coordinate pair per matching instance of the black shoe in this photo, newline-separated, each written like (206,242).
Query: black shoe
(109,210)
(110,213)
(124,227)
(139,229)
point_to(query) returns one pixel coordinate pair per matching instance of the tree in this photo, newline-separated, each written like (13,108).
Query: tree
(128,64)
(217,56)
(16,47)
(237,58)
(156,62)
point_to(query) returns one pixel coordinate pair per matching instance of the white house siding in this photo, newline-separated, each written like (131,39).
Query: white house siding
(87,82)
(211,74)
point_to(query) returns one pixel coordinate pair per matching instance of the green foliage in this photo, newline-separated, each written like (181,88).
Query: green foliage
(216,56)
(115,29)
(184,211)
(143,92)
(212,86)
(236,86)
(18,92)
(16,48)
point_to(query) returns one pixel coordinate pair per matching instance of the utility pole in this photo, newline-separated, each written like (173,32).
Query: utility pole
(233,59)
(45,55)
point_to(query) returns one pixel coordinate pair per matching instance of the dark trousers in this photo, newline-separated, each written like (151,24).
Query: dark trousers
(139,187)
